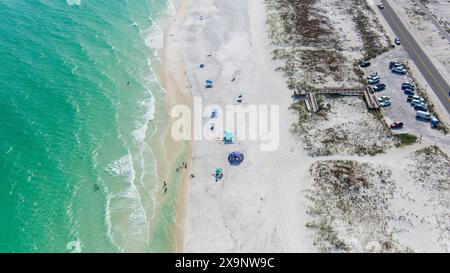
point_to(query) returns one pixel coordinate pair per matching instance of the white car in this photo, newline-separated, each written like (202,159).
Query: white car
(419,98)
(423,115)
(399,70)
(384,98)
(385,103)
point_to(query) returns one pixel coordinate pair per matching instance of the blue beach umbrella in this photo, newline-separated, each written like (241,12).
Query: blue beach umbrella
(235,158)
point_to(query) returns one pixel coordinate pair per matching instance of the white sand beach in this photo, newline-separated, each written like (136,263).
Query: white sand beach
(257,206)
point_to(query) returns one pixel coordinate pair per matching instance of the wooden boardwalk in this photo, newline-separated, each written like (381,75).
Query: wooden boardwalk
(311,100)
(371,100)
(358,91)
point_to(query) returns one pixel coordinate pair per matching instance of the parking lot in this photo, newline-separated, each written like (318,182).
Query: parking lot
(400,109)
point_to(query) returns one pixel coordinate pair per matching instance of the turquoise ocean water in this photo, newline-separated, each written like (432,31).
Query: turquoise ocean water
(79,94)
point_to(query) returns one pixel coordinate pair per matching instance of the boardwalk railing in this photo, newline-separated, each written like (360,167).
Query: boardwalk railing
(371,100)
(311,100)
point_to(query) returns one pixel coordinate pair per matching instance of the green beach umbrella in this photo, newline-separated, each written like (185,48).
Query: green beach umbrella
(219,170)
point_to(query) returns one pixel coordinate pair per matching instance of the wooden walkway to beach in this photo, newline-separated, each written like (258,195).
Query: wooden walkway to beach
(311,99)
(311,102)
(358,91)
(371,100)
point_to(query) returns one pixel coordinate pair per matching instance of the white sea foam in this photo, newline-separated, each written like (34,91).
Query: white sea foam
(126,201)
(171,10)
(109,223)
(141,131)
(74,246)
(154,37)
(122,167)
(74,2)
(152,76)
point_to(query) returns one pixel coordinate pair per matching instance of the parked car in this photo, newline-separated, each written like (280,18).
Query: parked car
(414,102)
(399,70)
(409,98)
(408,92)
(380,6)
(385,103)
(434,122)
(423,115)
(364,63)
(395,64)
(379,87)
(408,85)
(397,41)
(396,125)
(384,98)
(419,98)
(374,75)
(373,81)
(420,107)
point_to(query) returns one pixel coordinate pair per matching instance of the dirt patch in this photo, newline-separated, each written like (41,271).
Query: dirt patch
(342,125)
(321,41)
(349,210)
(430,170)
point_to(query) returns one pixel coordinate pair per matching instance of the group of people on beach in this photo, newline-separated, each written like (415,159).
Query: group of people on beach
(182,166)
(165,187)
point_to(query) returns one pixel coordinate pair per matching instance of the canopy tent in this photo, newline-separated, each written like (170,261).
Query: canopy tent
(228,137)
(235,158)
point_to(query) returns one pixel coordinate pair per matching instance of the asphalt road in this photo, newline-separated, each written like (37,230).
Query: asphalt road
(433,20)
(426,67)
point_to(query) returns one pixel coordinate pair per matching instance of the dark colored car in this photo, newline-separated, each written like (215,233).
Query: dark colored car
(409,98)
(397,41)
(421,107)
(364,64)
(409,92)
(379,87)
(410,87)
(408,84)
(397,125)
